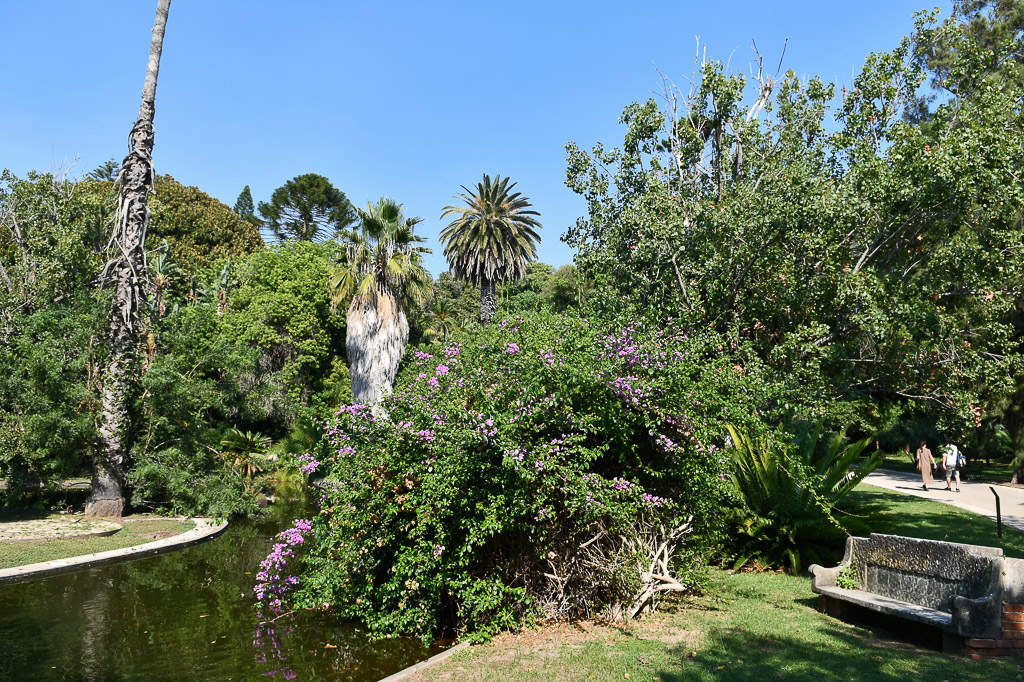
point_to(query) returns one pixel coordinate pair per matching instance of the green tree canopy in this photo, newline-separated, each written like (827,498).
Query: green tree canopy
(992,29)
(875,262)
(198,229)
(281,307)
(307,208)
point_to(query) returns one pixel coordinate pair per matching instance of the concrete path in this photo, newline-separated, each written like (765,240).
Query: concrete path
(206,529)
(974,497)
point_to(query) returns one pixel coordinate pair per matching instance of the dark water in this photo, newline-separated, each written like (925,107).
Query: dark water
(187,615)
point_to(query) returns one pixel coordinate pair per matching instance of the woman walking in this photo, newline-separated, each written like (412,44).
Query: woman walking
(925,464)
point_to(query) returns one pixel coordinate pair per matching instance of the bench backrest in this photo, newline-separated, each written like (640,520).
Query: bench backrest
(922,572)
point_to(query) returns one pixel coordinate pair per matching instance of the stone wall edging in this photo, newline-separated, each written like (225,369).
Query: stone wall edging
(436,658)
(206,529)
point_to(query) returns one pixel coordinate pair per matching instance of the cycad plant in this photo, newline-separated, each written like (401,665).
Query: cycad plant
(245,451)
(492,239)
(380,272)
(789,491)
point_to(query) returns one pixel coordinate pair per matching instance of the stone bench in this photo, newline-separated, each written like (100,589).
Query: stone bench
(959,590)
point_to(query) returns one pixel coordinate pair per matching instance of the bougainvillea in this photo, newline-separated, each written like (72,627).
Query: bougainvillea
(557,466)
(275,578)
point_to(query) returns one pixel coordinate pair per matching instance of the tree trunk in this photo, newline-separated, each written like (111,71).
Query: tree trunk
(376,336)
(126,273)
(488,300)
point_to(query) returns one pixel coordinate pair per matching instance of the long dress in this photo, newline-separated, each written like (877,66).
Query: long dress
(926,464)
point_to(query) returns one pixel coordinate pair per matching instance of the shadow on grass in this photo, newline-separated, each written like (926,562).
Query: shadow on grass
(23,515)
(738,655)
(882,511)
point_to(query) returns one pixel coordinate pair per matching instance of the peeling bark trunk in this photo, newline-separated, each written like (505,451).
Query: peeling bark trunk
(126,274)
(488,300)
(377,334)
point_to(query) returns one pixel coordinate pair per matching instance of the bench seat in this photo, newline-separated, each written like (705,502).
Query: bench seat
(891,607)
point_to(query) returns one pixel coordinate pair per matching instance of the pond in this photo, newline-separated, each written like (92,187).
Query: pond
(186,615)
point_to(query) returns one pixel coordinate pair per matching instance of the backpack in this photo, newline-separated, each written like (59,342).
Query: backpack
(961,461)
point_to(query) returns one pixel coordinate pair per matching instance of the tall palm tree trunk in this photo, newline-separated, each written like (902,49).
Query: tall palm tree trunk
(377,334)
(488,300)
(126,274)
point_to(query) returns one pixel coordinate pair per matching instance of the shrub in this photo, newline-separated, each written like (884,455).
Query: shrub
(542,466)
(194,389)
(789,485)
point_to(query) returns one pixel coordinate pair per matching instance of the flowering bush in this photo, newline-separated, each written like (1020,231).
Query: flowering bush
(275,580)
(542,466)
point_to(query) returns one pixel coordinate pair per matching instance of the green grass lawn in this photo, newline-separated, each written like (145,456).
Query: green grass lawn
(752,626)
(133,532)
(898,514)
(748,626)
(977,470)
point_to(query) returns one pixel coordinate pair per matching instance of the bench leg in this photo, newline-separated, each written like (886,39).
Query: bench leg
(836,608)
(952,644)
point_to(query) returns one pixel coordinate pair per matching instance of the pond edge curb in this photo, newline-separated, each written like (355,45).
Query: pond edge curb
(437,658)
(206,529)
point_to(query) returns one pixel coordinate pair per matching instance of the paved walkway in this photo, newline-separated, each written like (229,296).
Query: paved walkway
(974,497)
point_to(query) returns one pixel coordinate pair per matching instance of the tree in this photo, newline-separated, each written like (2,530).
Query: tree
(164,273)
(543,286)
(126,274)
(381,272)
(247,451)
(245,207)
(198,229)
(992,29)
(877,262)
(279,306)
(458,296)
(492,239)
(106,171)
(440,322)
(50,236)
(307,208)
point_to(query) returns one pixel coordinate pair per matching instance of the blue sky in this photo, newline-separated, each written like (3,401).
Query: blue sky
(404,99)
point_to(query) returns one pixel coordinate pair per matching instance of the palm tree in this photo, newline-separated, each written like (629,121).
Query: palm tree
(163,274)
(492,239)
(126,274)
(440,322)
(381,271)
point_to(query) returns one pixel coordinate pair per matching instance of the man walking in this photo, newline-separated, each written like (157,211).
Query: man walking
(951,463)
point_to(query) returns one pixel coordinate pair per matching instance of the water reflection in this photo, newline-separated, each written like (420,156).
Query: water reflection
(187,615)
